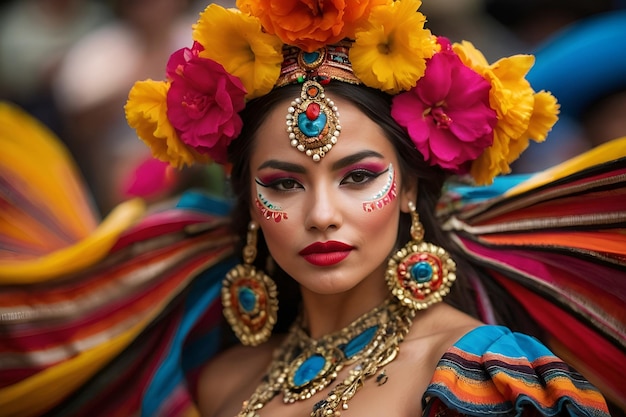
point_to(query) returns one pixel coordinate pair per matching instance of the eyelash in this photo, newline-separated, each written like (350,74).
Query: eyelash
(367,174)
(279,184)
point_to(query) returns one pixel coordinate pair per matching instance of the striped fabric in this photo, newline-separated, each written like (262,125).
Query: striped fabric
(493,371)
(100,317)
(556,244)
(124,337)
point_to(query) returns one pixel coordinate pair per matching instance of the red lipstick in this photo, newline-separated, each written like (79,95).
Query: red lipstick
(326,253)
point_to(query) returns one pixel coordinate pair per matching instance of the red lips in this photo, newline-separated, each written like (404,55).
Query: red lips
(326,253)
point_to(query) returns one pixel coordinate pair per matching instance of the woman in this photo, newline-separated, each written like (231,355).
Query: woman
(325,244)
(328,183)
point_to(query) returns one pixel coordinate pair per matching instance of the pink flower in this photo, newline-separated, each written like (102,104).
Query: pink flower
(447,113)
(179,59)
(203,102)
(151,178)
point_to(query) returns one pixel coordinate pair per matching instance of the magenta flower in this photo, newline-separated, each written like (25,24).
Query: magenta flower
(447,113)
(203,102)
(151,178)
(179,60)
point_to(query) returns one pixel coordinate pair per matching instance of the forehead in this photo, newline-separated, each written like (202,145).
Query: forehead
(358,133)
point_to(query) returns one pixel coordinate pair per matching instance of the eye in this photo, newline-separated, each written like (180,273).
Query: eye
(281,184)
(286,184)
(359,176)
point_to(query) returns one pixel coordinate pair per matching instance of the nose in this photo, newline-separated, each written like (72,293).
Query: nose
(323,211)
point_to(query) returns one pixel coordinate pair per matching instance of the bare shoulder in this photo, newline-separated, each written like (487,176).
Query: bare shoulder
(231,370)
(436,330)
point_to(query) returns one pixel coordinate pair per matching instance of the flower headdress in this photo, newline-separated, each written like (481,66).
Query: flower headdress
(462,113)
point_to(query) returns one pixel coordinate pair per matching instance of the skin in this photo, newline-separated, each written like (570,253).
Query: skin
(386,195)
(324,201)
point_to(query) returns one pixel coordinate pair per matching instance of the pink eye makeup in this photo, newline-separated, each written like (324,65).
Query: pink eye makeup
(267,209)
(386,195)
(269,179)
(278,182)
(375,169)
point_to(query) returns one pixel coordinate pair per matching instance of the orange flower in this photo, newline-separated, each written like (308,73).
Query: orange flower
(310,24)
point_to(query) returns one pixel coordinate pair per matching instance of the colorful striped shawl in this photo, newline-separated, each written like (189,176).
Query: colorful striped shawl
(493,371)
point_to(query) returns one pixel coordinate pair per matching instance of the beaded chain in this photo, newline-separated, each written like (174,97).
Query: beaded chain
(302,366)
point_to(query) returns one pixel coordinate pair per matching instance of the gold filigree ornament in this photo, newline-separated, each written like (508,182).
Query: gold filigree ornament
(250,297)
(302,366)
(421,273)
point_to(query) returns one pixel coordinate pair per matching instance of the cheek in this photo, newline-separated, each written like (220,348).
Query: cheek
(276,222)
(385,196)
(279,241)
(267,209)
(379,222)
(379,233)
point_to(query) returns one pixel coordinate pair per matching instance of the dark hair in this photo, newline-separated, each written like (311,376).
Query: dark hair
(377,106)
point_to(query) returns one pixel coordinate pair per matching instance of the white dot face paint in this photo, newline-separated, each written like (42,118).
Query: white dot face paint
(268,210)
(386,195)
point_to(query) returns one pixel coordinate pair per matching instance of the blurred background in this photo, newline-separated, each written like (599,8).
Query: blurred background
(71,63)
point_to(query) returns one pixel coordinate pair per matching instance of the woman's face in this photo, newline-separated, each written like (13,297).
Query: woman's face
(329,224)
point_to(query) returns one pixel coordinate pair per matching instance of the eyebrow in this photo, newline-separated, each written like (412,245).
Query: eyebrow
(356,157)
(284,166)
(341,163)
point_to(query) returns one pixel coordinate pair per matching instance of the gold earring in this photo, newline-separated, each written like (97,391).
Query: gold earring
(420,274)
(250,297)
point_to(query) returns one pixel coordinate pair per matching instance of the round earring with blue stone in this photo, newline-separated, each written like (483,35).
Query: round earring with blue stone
(420,274)
(250,297)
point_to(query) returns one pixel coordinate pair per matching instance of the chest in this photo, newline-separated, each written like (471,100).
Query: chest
(396,392)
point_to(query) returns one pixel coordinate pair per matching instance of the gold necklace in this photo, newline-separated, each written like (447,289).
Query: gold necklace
(302,366)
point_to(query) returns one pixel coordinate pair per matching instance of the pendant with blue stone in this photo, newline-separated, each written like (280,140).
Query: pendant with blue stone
(358,343)
(312,371)
(313,121)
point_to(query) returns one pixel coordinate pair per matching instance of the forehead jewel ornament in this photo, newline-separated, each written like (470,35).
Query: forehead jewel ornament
(313,119)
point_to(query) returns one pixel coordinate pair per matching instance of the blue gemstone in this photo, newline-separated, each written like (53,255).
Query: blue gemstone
(308,370)
(247,299)
(422,272)
(359,342)
(310,57)
(311,128)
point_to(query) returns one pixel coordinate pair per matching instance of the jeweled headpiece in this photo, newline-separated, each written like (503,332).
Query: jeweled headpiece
(462,113)
(312,119)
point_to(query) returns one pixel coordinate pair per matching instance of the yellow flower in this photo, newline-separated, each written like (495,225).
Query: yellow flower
(390,52)
(523,115)
(146,112)
(545,115)
(237,42)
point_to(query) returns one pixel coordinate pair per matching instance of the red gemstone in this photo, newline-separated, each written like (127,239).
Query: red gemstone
(312,111)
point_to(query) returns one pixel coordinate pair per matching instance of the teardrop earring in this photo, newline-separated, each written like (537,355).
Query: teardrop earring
(250,297)
(421,273)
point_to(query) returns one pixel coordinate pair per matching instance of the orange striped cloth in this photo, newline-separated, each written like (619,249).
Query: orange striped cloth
(493,371)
